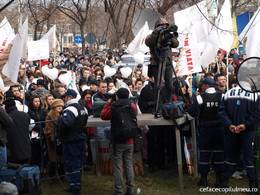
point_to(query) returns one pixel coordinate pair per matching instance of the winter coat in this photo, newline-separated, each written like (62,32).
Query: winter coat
(18,139)
(5,122)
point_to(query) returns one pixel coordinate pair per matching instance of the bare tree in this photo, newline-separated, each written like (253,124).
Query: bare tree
(6,5)
(41,12)
(121,14)
(78,11)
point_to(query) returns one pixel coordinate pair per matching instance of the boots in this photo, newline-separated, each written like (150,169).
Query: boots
(203,182)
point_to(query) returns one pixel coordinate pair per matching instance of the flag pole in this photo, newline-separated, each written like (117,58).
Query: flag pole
(227,71)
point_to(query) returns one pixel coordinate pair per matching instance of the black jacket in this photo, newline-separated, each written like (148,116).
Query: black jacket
(18,139)
(5,123)
(146,99)
(152,42)
(38,115)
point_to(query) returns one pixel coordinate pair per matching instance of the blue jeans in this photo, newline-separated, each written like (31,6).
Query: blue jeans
(73,159)
(3,155)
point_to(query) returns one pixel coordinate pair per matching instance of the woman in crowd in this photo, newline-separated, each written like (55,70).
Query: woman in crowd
(48,100)
(37,114)
(54,157)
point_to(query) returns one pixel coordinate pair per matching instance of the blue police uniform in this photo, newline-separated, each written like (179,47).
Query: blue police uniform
(71,124)
(211,133)
(239,107)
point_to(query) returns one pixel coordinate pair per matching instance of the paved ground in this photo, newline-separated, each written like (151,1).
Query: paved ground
(159,183)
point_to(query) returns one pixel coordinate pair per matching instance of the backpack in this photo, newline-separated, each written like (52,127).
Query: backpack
(126,124)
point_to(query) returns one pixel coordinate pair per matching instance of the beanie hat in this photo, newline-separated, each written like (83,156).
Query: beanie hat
(40,82)
(56,103)
(122,93)
(209,81)
(71,92)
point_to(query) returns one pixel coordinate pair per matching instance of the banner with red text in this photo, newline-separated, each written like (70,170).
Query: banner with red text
(188,62)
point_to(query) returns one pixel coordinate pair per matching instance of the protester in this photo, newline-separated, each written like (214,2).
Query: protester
(221,82)
(99,99)
(122,154)
(40,91)
(19,100)
(48,100)
(6,122)
(19,144)
(70,126)
(50,132)
(37,114)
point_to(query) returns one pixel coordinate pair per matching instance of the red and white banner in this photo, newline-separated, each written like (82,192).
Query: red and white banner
(188,59)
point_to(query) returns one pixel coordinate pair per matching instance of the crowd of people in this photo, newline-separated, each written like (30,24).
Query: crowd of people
(43,121)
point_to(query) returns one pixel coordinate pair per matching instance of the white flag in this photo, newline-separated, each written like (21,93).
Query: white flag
(193,21)
(224,32)
(138,44)
(51,36)
(220,37)
(193,30)
(250,36)
(11,68)
(38,50)
(6,34)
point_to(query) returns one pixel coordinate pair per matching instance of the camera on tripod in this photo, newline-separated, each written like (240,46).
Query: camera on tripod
(167,36)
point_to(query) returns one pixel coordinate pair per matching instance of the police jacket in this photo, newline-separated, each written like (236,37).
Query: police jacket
(72,121)
(240,107)
(205,106)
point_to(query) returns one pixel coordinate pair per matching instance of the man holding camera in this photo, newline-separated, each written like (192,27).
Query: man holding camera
(160,43)
(122,113)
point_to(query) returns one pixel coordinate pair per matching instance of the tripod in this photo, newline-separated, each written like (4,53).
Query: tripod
(159,82)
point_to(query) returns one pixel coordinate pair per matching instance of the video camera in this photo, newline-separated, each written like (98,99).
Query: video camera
(113,97)
(166,36)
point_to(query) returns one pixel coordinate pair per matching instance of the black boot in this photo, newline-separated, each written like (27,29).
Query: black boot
(203,182)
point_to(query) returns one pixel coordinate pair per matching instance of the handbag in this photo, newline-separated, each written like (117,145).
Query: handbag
(173,110)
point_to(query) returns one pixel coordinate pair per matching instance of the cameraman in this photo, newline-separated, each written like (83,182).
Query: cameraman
(160,43)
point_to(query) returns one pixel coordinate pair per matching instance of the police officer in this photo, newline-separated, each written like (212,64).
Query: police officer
(211,132)
(70,125)
(160,55)
(239,112)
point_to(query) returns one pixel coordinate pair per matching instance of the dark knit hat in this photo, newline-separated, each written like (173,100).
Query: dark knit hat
(71,92)
(122,93)
(209,81)
(40,82)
